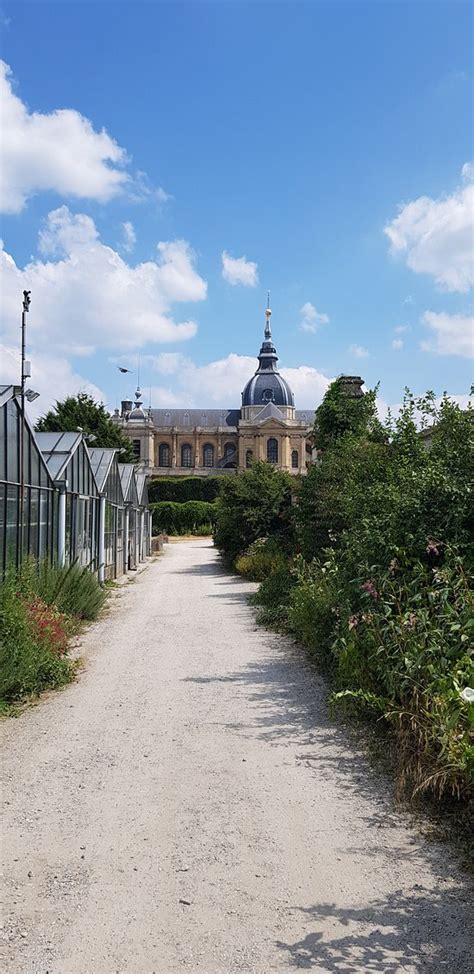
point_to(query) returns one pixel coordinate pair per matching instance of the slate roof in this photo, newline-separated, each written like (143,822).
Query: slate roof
(210,418)
(189,418)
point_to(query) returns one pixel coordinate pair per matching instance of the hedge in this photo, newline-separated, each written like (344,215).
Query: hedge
(192,517)
(182,489)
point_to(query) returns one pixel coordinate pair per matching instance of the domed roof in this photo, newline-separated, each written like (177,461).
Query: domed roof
(137,411)
(267,385)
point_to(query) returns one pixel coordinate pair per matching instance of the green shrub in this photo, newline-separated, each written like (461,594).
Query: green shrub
(31,646)
(72,589)
(273,596)
(382,591)
(182,489)
(256,503)
(261,559)
(191,517)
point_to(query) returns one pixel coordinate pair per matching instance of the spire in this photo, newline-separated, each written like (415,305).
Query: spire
(268,315)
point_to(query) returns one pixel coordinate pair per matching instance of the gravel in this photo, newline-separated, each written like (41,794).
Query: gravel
(187,805)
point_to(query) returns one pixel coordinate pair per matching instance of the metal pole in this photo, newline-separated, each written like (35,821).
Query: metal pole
(26,308)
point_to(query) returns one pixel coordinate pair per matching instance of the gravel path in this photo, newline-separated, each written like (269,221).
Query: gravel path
(187,806)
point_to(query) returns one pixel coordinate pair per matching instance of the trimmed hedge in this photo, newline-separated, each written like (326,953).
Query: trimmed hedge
(193,517)
(182,489)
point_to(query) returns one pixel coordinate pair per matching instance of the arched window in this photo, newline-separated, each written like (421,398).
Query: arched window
(136,449)
(164,455)
(208,455)
(248,458)
(294,458)
(186,455)
(272,450)
(228,449)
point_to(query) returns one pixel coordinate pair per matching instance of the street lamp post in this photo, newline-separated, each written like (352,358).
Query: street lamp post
(25,374)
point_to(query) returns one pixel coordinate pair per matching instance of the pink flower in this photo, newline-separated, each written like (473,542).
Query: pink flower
(432,548)
(353,622)
(369,587)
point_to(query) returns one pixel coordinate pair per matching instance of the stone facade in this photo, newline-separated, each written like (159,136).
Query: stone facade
(181,442)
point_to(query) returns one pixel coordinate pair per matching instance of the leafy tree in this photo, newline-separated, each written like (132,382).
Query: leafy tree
(254,504)
(341,413)
(92,417)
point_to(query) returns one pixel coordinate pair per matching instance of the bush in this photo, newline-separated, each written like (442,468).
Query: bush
(192,517)
(33,639)
(256,503)
(182,489)
(71,589)
(382,591)
(273,597)
(261,559)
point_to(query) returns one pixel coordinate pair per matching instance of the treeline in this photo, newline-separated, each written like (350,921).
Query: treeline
(368,562)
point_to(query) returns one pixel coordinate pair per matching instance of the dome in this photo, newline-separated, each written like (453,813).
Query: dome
(267,385)
(137,412)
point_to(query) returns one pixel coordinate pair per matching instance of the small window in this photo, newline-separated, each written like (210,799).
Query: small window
(204,419)
(272,450)
(186,455)
(268,395)
(294,458)
(248,458)
(136,449)
(186,419)
(164,455)
(229,448)
(167,417)
(208,455)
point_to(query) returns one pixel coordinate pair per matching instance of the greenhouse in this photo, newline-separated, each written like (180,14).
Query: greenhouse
(128,482)
(28,500)
(145,514)
(69,466)
(112,513)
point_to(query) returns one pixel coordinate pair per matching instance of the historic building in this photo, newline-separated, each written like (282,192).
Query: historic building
(208,441)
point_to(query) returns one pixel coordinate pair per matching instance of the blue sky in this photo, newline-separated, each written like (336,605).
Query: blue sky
(327,143)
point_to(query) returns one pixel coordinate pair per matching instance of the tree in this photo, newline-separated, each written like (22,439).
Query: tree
(343,411)
(82,411)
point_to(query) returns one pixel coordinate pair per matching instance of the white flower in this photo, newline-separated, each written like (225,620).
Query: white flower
(467,694)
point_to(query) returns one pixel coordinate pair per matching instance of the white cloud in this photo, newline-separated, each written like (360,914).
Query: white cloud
(129,237)
(221,382)
(358,351)
(311,319)
(397,344)
(84,293)
(53,377)
(239,270)
(401,329)
(467,171)
(435,236)
(59,151)
(452,334)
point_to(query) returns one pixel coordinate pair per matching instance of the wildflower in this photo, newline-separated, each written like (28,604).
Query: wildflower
(432,548)
(353,622)
(467,694)
(393,566)
(410,620)
(369,587)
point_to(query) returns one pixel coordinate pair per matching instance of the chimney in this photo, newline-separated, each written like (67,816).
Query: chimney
(351,386)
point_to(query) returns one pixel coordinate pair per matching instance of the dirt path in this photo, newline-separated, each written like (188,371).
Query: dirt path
(187,806)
